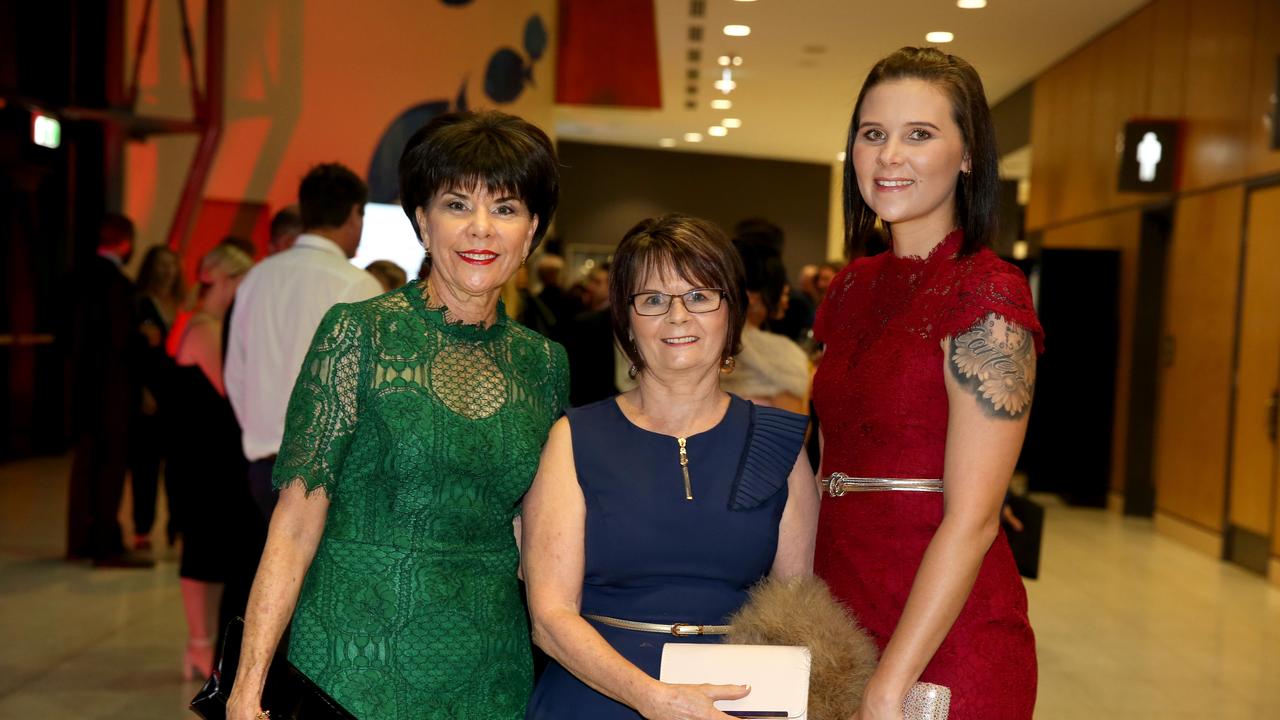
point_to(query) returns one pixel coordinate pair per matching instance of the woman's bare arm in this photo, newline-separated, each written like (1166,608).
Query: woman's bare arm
(202,346)
(798,530)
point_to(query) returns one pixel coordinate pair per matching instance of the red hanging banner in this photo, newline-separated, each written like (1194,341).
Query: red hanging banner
(608,54)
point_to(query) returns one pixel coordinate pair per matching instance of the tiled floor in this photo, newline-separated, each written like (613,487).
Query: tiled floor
(1130,624)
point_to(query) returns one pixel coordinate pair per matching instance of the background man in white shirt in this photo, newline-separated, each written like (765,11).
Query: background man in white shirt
(280,304)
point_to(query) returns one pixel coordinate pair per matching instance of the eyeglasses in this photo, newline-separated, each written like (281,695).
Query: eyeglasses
(698,300)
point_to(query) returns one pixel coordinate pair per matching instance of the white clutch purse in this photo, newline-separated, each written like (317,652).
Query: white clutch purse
(779,680)
(778,676)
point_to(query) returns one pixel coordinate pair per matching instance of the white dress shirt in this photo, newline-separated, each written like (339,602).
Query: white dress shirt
(769,364)
(278,307)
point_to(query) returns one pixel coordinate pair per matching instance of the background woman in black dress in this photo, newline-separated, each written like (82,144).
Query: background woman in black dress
(206,466)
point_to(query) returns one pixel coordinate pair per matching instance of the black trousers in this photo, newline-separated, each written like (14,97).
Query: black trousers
(146,453)
(260,487)
(97,485)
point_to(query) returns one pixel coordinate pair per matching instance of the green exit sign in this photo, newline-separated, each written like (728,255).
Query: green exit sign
(46,131)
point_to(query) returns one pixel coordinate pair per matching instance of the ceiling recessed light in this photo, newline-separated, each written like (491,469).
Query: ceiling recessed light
(971,4)
(724,60)
(939,36)
(725,86)
(693,137)
(731,122)
(721,104)
(737,30)
(717,131)
(737,60)
(667,142)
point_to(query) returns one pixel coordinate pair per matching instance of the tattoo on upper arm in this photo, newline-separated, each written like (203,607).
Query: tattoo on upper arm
(996,361)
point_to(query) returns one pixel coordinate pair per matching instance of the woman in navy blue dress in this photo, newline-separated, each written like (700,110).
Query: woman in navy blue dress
(653,513)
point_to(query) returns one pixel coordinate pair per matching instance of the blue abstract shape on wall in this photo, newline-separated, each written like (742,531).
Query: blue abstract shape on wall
(384,169)
(535,37)
(506,75)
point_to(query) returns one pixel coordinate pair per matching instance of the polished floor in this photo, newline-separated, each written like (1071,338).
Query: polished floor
(1129,624)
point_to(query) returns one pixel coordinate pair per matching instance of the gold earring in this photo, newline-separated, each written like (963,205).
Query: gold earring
(633,371)
(728,365)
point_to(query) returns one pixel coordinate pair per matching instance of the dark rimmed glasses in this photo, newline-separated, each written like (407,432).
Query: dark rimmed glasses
(697,300)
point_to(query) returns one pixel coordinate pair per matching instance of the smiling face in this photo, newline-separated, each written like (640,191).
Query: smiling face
(477,239)
(908,154)
(679,342)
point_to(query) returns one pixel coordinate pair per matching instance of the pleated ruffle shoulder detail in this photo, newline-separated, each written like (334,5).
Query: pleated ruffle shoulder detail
(774,440)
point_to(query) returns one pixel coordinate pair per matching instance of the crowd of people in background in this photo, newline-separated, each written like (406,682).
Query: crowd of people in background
(203,375)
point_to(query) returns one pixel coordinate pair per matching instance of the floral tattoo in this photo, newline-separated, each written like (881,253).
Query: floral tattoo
(996,361)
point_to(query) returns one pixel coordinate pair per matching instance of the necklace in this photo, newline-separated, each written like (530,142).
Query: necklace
(684,468)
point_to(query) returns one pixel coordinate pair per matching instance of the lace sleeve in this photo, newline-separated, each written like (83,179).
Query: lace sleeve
(559,381)
(997,288)
(323,409)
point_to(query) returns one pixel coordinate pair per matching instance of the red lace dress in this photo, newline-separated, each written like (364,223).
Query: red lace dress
(882,405)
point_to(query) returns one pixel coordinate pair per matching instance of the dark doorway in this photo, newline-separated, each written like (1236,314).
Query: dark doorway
(1070,436)
(1153,250)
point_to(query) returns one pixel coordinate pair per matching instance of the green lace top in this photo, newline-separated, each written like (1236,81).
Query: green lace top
(424,434)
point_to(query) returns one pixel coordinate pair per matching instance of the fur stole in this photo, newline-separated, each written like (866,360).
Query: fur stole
(801,611)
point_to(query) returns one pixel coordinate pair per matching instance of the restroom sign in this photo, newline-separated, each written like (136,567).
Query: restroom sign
(1150,158)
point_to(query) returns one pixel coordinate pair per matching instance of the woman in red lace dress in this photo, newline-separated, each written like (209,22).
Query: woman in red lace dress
(923,397)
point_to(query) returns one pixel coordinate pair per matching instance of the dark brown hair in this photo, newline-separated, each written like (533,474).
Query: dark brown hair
(697,251)
(501,153)
(327,194)
(977,192)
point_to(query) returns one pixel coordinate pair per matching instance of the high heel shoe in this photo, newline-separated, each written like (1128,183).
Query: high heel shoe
(197,659)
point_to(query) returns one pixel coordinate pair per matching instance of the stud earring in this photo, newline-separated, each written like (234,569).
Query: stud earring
(633,371)
(728,365)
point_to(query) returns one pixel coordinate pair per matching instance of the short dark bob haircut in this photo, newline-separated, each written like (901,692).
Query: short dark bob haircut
(470,150)
(697,251)
(977,192)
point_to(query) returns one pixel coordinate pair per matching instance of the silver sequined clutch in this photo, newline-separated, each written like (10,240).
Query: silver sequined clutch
(926,701)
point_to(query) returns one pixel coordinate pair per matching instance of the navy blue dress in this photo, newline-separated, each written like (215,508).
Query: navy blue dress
(654,556)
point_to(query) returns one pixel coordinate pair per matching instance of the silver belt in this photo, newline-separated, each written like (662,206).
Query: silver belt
(838,483)
(677,629)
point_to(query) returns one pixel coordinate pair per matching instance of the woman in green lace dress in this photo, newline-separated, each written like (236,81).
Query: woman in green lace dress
(413,430)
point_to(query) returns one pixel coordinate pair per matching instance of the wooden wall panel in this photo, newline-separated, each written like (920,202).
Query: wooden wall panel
(1079,191)
(1219,81)
(1253,452)
(1170,28)
(1195,387)
(1263,101)
(1046,171)
(1116,231)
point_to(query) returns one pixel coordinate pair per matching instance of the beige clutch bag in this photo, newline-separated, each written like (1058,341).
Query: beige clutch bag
(778,676)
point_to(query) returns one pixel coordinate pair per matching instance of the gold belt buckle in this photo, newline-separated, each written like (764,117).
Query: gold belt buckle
(685,630)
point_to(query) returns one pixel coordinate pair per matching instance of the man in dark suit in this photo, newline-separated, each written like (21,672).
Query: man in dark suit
(105,345)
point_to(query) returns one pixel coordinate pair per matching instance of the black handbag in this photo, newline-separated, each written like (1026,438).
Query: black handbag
(1025,544)
(288,693)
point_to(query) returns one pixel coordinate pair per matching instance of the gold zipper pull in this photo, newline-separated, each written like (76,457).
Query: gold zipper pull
(684,468)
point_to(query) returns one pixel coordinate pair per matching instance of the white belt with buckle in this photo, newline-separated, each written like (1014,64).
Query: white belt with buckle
(838,483)
(677,629)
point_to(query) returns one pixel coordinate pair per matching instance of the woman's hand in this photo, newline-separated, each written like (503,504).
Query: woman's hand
(691,702)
